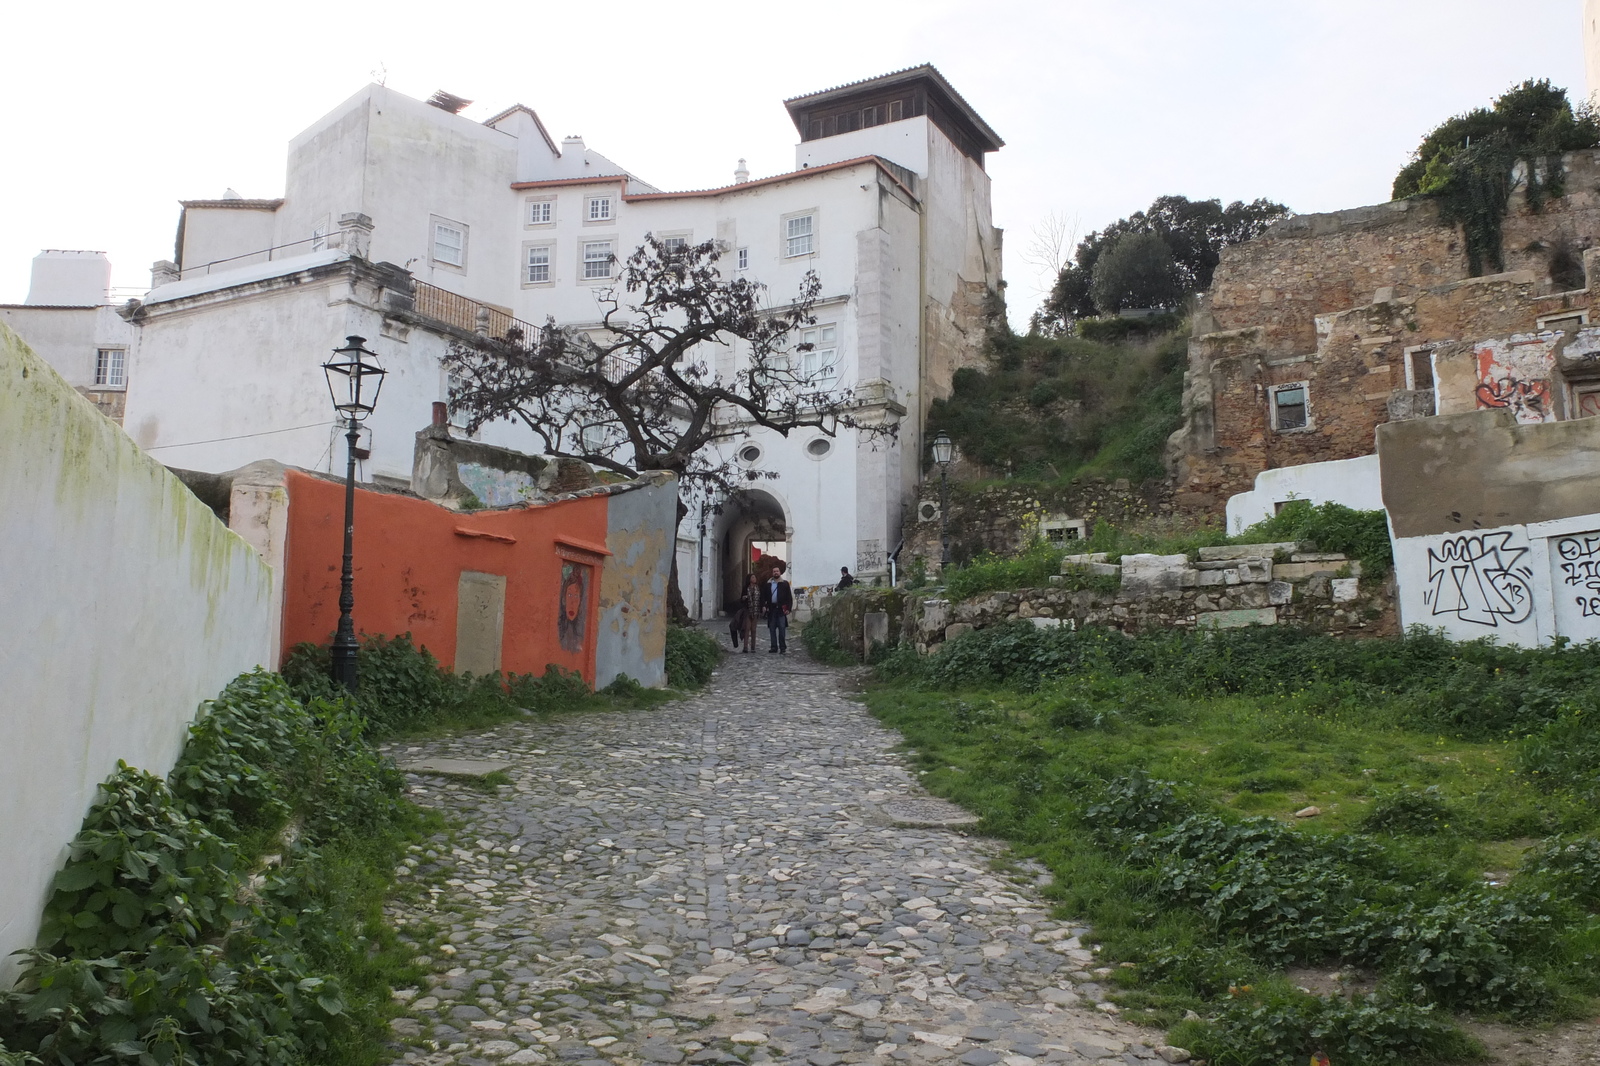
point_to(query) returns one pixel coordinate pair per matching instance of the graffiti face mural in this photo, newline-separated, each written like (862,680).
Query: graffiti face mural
(1515,375)
(1480,578)
(572,610)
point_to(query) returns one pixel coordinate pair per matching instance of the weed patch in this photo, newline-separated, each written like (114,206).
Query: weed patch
(1159,775)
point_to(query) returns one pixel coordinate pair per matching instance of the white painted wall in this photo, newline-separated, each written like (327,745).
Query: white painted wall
(127,604)
(222,377)
(69,338)
(70,278)
(1519,584)
(1352,482)
(222,238)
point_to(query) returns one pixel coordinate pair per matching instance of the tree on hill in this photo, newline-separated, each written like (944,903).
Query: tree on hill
(640,391)
(1137,271)
(1194,232)
(1468,162)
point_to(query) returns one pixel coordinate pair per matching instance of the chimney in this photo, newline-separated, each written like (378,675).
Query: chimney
(441,413)
(163,272)
(741,173)
(70,278)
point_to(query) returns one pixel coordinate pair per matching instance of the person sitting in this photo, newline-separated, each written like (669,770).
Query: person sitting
(846,579)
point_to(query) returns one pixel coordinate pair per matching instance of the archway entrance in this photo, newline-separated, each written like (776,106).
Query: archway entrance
(752,523)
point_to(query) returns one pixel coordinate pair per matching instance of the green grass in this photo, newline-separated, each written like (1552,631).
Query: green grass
(1158,778)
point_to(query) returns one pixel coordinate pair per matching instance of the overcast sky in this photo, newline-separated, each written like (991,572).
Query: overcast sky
(116,112)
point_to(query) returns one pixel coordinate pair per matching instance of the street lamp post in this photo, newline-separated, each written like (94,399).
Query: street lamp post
(944,450)
(349,380)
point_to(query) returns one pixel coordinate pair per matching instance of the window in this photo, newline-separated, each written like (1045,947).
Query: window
(449,243)
(1289,409)
(597,260)
(1585,401)
(675,244)
(538,265)
(744,259)
(797,235)
(599,208)
(319,234)
(819,365)
(750,453)
(896,110)
(1419,368)
(1569,324)
(871,116)
(541,212)
(110,367)
(593,438)
(819,447)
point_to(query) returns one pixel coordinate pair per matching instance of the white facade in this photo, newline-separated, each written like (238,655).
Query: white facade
(1354,483)
(894,219)
(69,322)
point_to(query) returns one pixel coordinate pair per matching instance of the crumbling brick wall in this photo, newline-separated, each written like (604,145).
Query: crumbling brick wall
(1335,301)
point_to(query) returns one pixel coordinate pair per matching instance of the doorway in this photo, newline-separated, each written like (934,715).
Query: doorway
(752,524)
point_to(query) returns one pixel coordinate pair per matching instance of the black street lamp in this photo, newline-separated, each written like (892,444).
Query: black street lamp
(354,381)
(944,450)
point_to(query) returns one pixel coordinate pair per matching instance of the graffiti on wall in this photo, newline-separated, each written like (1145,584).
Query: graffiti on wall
(1480,578)
(1516,375)
(1578,564)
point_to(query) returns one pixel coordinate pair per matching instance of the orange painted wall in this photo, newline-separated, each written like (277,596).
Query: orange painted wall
(409,557)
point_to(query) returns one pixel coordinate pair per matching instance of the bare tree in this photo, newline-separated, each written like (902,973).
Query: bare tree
(640,391)
(1050,250)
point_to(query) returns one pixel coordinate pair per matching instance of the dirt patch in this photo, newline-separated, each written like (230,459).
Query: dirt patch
(1572,1044)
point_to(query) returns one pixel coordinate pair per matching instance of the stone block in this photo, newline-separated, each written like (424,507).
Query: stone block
(1151,572)
(1231,576)
(1345,589)
(935,616)
(957,629)
(1301,571)
(1279,592)
(874,630)
(1317,557)
(1190,579)
(1082,560)
(1102,569)
(1251,596)
(1252,551)
(1048,623)
(1258,616)
(1211,577)
(1255,571)
(1319,584)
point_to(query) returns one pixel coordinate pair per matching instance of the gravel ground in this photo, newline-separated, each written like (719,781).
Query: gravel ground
(730,877)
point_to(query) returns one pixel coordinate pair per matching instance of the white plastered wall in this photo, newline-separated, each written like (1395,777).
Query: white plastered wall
(127,604)
(1352,482)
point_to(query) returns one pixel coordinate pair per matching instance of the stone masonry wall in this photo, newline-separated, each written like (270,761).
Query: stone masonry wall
(1226,587)
(1335,301)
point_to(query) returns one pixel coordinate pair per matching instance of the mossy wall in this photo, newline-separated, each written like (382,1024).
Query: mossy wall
(127,603)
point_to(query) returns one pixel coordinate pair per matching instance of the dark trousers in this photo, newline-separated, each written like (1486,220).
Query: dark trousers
(778,628)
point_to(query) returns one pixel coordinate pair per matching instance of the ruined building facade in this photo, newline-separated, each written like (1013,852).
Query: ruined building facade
(1330,325)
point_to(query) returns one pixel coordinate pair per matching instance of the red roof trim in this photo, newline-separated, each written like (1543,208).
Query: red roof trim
(556,183)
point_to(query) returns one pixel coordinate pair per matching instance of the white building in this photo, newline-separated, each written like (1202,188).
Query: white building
(69,321)
(407,224)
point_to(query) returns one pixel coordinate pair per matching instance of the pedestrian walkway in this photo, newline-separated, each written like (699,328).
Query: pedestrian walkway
(716,880)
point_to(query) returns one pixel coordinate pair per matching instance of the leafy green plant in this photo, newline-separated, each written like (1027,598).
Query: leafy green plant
(160,944)
(1333,527)
(692,654)
(1407,810)
(822,643)
(1274,1025)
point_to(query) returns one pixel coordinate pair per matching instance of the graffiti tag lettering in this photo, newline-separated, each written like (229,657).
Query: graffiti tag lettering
(1528,400)
(1514,374)
(1479,579)
(1580,570)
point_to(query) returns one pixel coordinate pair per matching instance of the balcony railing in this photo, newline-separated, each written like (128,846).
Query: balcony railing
(469,315)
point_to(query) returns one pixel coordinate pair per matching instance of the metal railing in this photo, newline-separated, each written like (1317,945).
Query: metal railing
(467,314)
(267,254)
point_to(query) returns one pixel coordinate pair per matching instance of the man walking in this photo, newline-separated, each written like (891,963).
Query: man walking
(777,597)
(846,579)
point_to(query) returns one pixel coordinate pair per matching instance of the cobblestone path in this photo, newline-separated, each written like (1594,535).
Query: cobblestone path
(709,882)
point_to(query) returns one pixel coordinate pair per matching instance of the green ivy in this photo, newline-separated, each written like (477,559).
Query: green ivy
(692,654)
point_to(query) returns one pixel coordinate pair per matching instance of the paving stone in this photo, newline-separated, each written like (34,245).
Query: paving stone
(752,864)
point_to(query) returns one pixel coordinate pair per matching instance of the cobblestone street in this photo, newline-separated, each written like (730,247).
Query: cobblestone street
(717,880)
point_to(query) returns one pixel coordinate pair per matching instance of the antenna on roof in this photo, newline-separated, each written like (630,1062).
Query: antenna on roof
(449,102)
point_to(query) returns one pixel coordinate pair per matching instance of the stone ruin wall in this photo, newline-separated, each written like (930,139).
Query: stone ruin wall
(1335,300)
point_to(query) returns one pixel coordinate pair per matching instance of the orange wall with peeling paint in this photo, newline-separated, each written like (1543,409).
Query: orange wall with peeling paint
(409,555)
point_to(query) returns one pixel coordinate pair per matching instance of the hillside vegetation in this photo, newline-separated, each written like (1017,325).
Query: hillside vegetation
(1051,408)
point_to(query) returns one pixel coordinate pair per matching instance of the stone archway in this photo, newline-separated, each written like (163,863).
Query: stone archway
(752,519)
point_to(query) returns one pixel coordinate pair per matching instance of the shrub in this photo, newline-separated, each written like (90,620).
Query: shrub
(692,654)
(822,643)
(154,948)
(1362,535)
(1411,811)
(1275,1026)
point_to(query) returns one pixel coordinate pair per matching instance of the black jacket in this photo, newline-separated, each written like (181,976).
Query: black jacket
(785,596)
